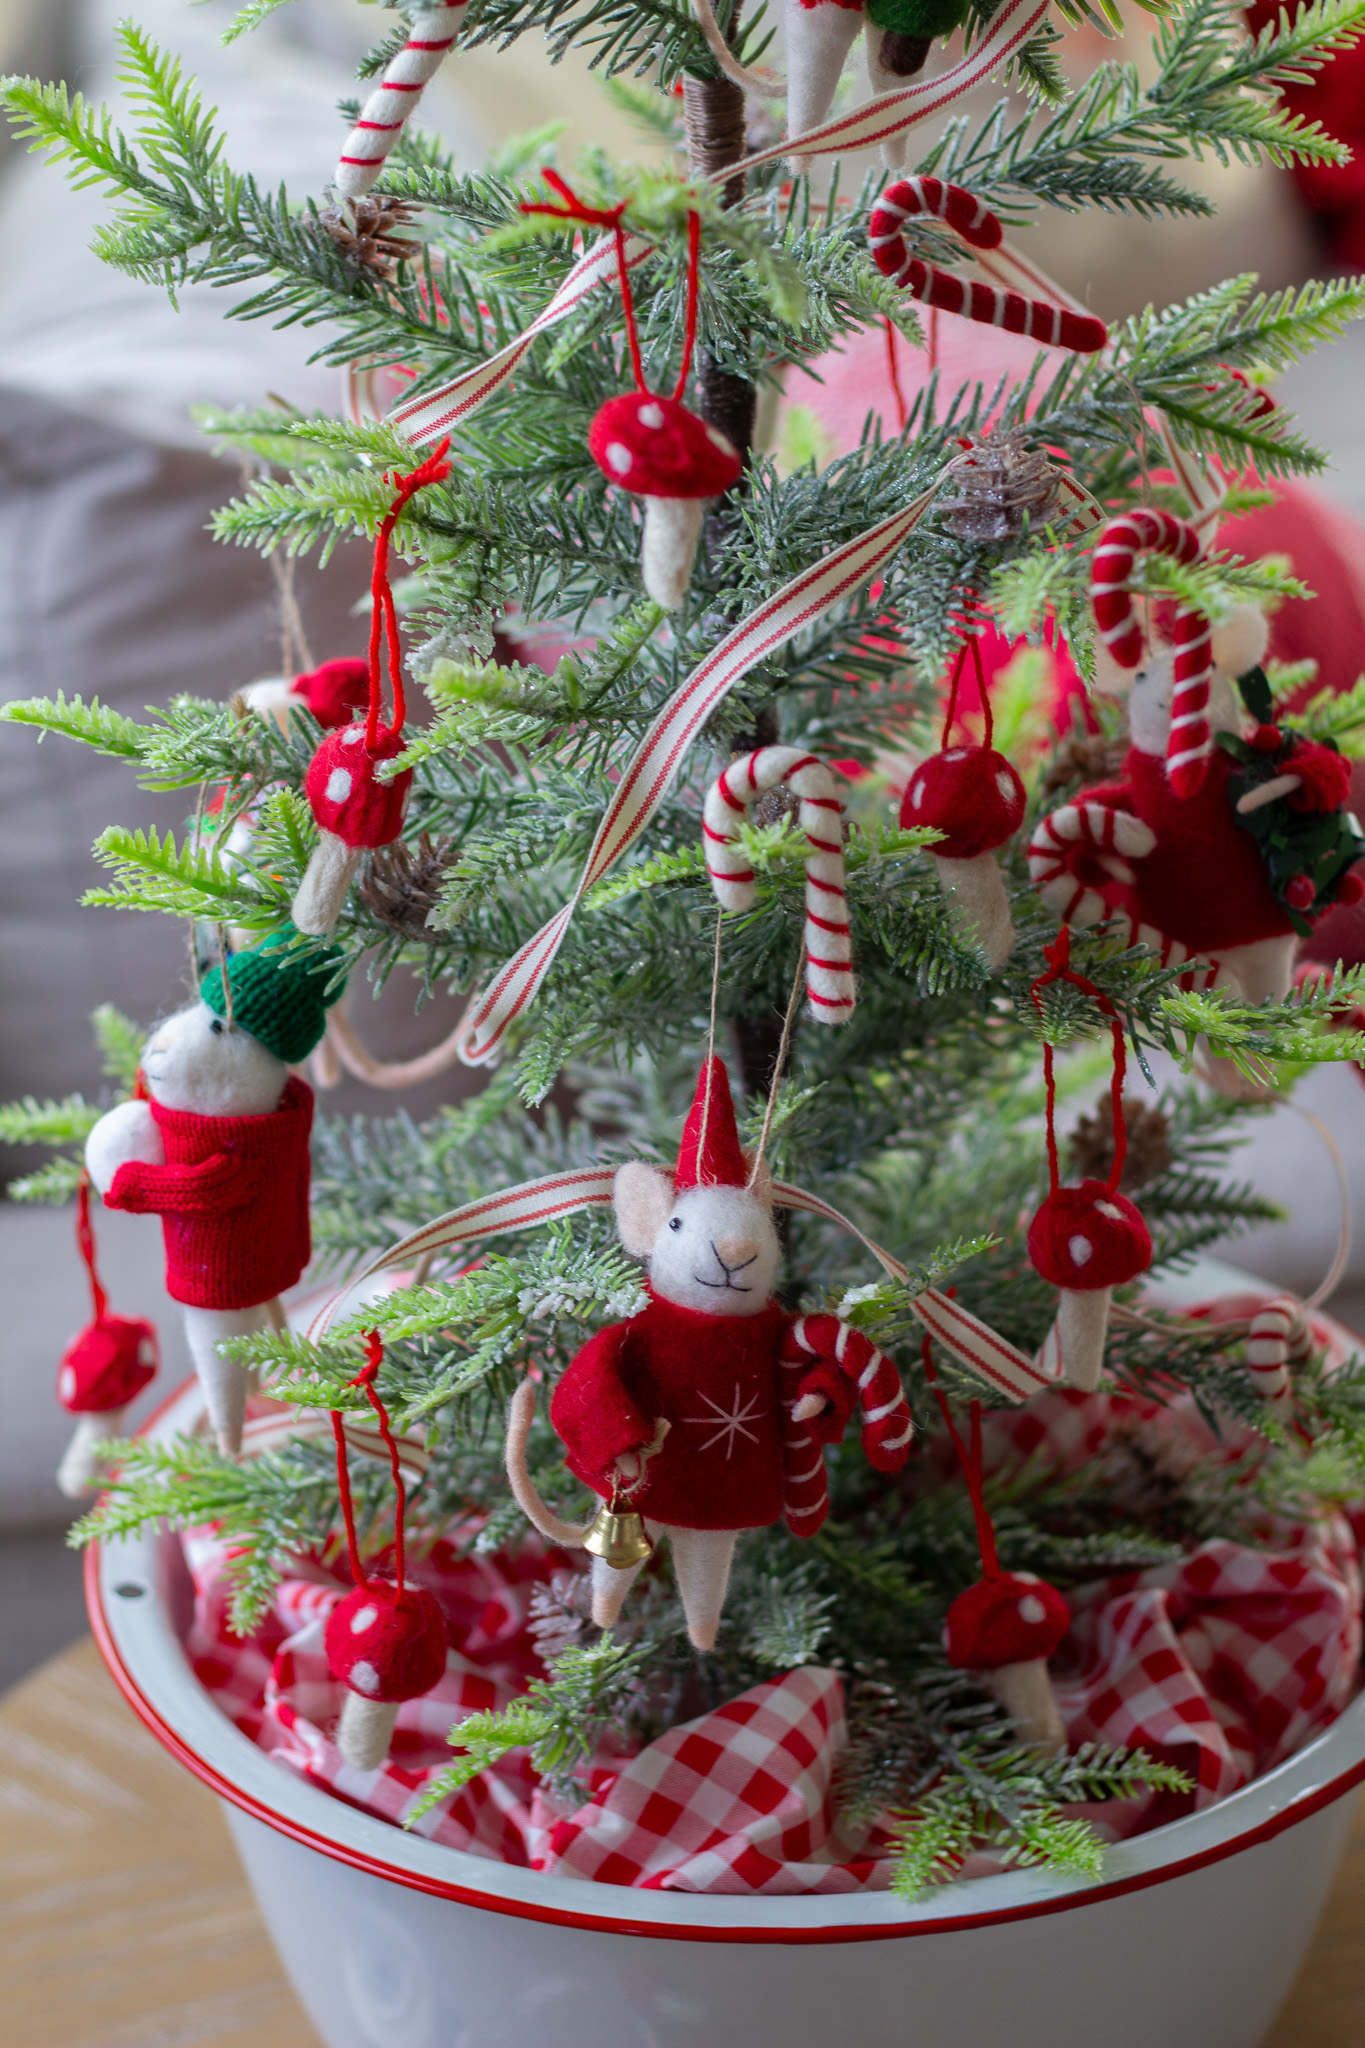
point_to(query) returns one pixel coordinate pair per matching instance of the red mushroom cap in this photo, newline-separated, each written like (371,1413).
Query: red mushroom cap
(387,1645)
(1086,1237)
(655,447)
(1008,1619)
(107,1366)
(335,692)
(970,794)
(346,795)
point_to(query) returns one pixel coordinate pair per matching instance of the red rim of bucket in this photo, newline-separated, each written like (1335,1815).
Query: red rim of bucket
(521,1909)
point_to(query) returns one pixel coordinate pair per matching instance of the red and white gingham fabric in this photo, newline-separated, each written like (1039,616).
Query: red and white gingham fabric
(1223,1663)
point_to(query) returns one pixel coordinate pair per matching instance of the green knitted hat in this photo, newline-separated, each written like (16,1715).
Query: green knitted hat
(925,18)
(277,996)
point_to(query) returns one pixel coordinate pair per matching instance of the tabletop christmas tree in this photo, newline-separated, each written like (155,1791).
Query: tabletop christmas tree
(598,351)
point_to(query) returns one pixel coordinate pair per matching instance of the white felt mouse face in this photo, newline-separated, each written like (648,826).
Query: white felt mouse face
(1149,703)
(711,1248)
(196,1061)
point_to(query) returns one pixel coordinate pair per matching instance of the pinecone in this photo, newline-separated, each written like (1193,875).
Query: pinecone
(1003,486)
(775,805)
(363,228)
(403,884)
(1149,1153)
(1084,757)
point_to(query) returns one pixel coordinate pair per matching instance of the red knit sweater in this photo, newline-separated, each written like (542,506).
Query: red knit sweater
(232,1198)
(717,1381)
(1204,882)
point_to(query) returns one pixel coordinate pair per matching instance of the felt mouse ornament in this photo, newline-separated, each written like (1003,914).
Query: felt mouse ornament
(354,808)
(973,796)
(648,443)
(102,1371)
(821,33)
(386,1641)
(707,1413)
(219,1150)
(1084,1240)
(1173,850)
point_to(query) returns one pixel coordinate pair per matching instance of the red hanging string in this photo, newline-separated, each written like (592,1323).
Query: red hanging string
(383,617)
(85,1240)
(1058,956)
(894,370)
(988,736)
(971,1462)
(365,1378)
(610,217)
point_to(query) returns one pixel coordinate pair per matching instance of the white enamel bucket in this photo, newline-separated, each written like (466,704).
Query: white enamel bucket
(1191,1939)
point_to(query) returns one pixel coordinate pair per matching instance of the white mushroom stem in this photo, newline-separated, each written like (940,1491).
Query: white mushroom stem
(1025,1692)
(1256,799)
(672,530)
(272,697)
(322,892)
(365,1730)
(1074,1347)
(79,1470)
(977,903)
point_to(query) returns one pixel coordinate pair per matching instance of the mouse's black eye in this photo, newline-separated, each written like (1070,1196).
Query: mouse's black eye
(675,1222)
(216,1026)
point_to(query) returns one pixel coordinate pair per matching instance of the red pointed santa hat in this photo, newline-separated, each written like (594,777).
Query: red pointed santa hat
(710,1154)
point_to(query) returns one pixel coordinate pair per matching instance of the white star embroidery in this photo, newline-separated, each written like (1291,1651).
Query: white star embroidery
(729,1422)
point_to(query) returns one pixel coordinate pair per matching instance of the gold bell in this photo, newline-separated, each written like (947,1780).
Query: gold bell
(618,1536)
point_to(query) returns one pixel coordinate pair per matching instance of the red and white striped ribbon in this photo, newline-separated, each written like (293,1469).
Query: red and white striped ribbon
(829,951)
(1147,531)
(432,32)
(892,113)
(429,414)
(970,1340)
(650,773)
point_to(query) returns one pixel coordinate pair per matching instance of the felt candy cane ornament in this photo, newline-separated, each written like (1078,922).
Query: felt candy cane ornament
(650,444)
(355,811)
(103,1370)
(1085,1240)
(973,796)
(976,227)
(829,955)
(386,1641)
(1279,1336)
(1008,1624)
(431,33)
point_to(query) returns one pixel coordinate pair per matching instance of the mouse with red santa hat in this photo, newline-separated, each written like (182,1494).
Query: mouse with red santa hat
(706,1414)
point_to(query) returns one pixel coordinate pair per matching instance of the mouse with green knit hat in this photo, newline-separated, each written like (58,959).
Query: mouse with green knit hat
(219,1150)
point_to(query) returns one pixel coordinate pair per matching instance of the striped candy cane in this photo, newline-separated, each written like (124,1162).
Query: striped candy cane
(970,219)
(992,305)
(432,33)
(829,956)
(1078,836)
(1279,1336)
(1145,531)
(887,1430)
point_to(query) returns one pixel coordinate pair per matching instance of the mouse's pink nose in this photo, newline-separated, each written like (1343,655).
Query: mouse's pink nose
(736,1251)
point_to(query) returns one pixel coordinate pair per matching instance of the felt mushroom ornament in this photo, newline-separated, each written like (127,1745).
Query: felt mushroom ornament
(103,1370)
(1008,1624)
(974,797)
(1084,1240)
(651,445)
(333,693)
(354,809)
(386,1641)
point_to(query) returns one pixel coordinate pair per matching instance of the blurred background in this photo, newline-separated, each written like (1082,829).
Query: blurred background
(112,587)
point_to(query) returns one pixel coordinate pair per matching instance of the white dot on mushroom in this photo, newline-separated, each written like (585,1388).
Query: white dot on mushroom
(620,457)
(338,785)
(366,1618)
(650,415)
(1032,1610)
(1080,1249)
(364,1678)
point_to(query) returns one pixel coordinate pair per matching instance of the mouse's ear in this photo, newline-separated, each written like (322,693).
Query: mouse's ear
(760,1184)
(642,1197)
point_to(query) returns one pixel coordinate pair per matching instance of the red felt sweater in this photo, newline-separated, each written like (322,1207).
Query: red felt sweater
(717,1380)
(1204,881)
(233,1199)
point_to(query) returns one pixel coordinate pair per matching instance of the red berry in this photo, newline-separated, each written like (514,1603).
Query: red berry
(1351,887)
(1300,893)
(1267,739)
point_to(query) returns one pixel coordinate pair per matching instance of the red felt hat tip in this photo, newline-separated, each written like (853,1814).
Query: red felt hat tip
(710,1154)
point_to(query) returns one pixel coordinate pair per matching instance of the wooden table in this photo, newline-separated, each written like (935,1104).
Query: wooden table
(125,1921)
